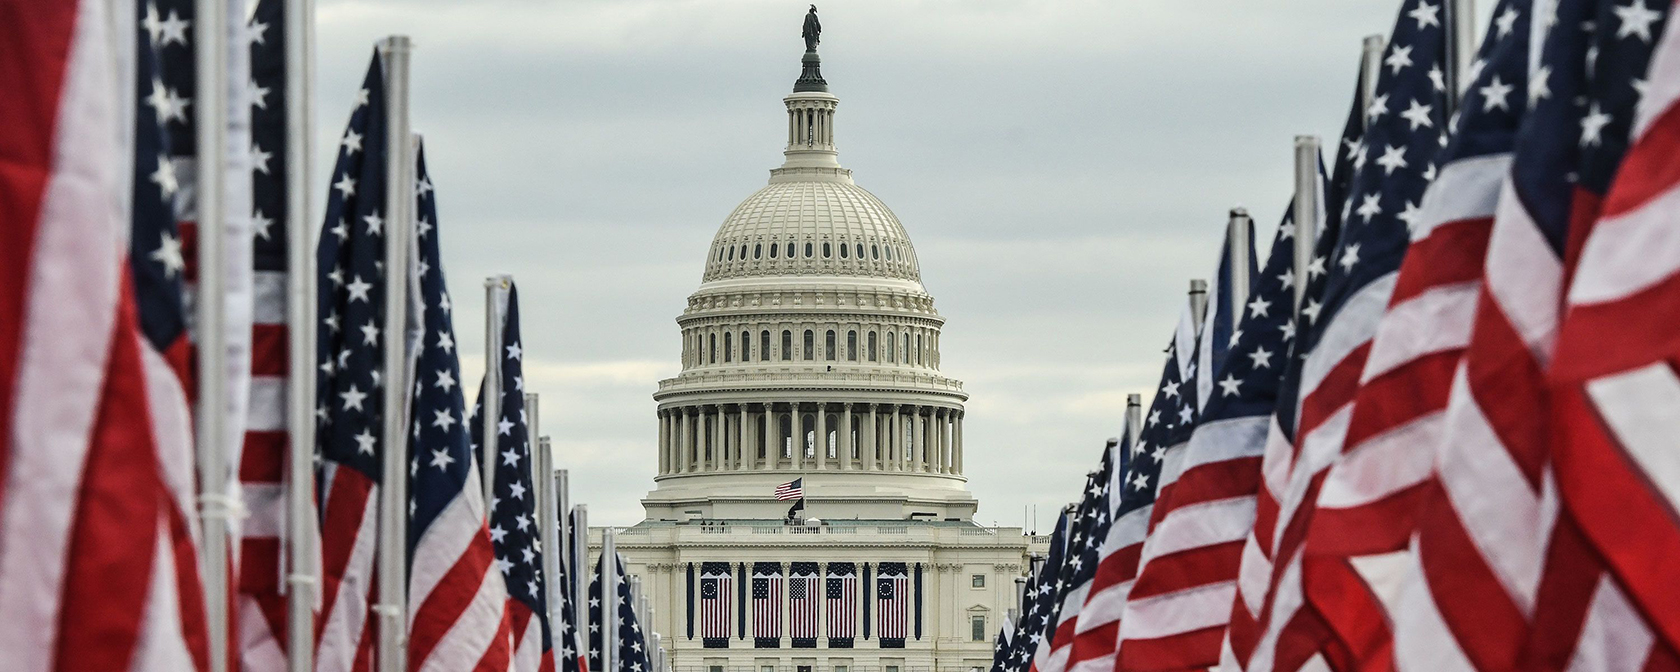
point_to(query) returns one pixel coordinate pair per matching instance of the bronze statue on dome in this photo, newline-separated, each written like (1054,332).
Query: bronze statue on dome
(812,31)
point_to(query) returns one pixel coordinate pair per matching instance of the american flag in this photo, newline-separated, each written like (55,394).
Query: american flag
(1217,333)
(1495,508)
(716,594)
(1394,164)
(794,489)
(454,613)
(1615,362)
(514,519)
(1097,631)
(804,604)
(262,638)
(94,430)
(349,347)
(892,604)
(767,604)
(1177,609)
(1001,646)
(1365,511)
(571,654)
(1090,527)
(632,642)
(840,606)
(1041,601)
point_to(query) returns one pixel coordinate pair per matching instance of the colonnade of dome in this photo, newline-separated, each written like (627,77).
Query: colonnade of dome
(790,435)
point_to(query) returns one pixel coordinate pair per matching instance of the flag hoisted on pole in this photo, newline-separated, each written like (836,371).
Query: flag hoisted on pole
(456,597)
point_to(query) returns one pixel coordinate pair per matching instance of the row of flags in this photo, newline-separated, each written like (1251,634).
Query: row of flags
(812,600)
(1456,449)
(222,452)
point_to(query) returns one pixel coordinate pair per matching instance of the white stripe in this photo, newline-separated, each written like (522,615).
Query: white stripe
(1464,189)
(1319,449)
(265,506)
(161,645)
(444,541)
(1202,524)
(1398,458)
(1500,512)
(172,427)
(1524,275)
(1172,465)
(342,631)
(528,657)
(1176,613)
(1349,328)
(1422,641)
(259,648)
(1227,439)
(65,339)
(1662,79)
(1253,577)
(1630,252)
(476,629)
(268,297)
(1436,320)
(1614,637)
(267,409)
(1642,407)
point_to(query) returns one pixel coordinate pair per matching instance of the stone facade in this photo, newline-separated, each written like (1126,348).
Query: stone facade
(811,351)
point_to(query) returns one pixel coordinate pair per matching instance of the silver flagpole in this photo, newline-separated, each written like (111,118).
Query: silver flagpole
(301,532)
(399,216)
(580,561)
(211,308)
(1307,198)
(1198,302)
(1239,231)
(609,600)
(1461,49)
(1370,65)
(553,540)
(1134,417)
(490,410)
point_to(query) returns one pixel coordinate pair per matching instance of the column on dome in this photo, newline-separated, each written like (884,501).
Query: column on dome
(685,431)
(918,439)
(819,442)
(664,443)
(743,456)
(846,436)
(771,444)
(718,452)
(957,444)
(871,442)
(944,441)
(797,449)
(895,453)
(930,441)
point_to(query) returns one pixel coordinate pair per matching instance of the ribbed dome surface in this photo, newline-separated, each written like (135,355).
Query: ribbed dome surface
(811,228)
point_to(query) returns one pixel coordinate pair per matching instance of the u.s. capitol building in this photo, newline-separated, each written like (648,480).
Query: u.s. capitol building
(811,352)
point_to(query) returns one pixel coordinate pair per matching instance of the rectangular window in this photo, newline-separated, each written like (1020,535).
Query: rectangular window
(787,345)
(728,348)
(872,346)
(714,668)
(810,345)
(978,580)
(851,346)
(764,346)
(842,668)
(828,346)
(977,627)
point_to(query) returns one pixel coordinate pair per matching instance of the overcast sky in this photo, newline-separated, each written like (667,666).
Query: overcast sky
(1063,168)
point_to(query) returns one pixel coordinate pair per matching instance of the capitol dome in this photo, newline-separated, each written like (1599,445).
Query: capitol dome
(810,351)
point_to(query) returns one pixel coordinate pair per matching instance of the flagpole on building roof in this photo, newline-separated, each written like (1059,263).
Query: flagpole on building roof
(302,535)
(609,600)
(393,495)
(210,433)
(490,407)
(1306,215)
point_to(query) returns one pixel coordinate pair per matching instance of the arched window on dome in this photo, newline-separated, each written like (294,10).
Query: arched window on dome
(743,251)
(728,347)
(790,250)
(874,252)
(714,348)
(860,250)
(810,345)
(786,436)
(872,341)
(764,346)
(746,347)
(891,354)
(808,427)
(851,345)
(843,251)
(904,350)
(807,250)
(773,248)
(720,254)
(889,253)
(833,425)
(828,251)
(731,253)
(828,346)
(918,349)
(787,345)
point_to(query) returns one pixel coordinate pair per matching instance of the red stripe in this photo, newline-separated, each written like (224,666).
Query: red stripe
(1183,651)
(1348,609)
(520,617)
(455,591)
(114,534)
(1453,253)
(1475,607)
(1190,568)
(1566,588)
(1650,168)
(263,459)
(1636,329)
(1333,392)
(34,54)
(1405,393)
(1508,385)
(269,350)
(347,503)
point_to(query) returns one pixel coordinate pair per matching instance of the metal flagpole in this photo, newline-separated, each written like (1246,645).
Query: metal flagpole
(1370,65)
(555,522)
(210,61)
(580,561)
(490,409)
(1307,198)
(1239,231)
(609,600)
(1134,417)
(301,531)
(1198,302)
(393,496)
(1460,22)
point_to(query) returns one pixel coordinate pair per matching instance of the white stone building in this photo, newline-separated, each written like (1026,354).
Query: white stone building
(811,351)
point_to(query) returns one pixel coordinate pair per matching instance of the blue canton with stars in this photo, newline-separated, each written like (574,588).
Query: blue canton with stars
(156,258)
(632,645)
(1248,383)
(351,291)
(1394,163)
(1089,528)
(1171,418)
(1582,98)
(513,510)
(1043,602)
(268,135)
(441,467)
